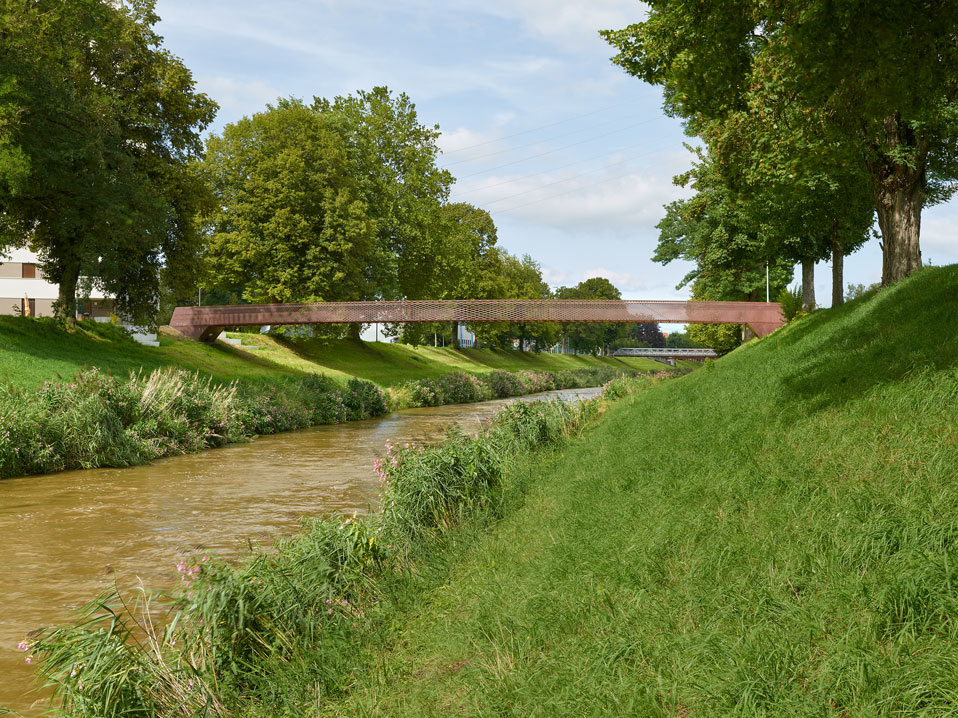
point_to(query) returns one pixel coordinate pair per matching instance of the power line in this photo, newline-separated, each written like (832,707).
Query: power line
(531,144)
(507,210)
(566,179)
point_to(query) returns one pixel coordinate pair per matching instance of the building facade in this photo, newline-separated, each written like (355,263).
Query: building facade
(25,291)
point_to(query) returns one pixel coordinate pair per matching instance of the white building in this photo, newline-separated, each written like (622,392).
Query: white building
(23,286)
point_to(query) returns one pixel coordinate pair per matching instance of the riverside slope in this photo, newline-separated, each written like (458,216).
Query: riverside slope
(775,535)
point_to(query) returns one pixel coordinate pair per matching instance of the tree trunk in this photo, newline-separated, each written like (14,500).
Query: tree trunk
(66,304)
(838,273)
(808,285)
(899,191)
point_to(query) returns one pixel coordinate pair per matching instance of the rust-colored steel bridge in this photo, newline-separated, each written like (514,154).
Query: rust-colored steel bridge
(205,323)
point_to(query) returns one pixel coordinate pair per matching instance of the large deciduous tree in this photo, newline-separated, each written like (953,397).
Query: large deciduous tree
(99,126)
(591,337)
(393,158)
(873,83)
(288,224)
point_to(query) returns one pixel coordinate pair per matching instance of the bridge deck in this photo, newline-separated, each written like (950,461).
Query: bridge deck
(205,323)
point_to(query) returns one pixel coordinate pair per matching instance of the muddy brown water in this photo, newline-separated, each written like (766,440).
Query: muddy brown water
(68,537)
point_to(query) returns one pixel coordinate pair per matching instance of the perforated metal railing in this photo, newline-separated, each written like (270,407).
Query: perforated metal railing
(205,323)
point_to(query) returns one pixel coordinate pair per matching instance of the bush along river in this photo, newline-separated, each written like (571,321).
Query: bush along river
(72,535)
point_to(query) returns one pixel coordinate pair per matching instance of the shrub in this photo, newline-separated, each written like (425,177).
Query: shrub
(100,420)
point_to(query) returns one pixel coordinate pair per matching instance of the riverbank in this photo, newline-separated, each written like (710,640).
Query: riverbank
(99,420)
(775,535)
(297,606)
(771,535)
(34,351)
(131,404)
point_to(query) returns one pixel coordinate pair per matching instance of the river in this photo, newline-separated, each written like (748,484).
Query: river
(67,537)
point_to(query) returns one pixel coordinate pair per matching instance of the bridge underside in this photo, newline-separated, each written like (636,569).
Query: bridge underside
(205,323)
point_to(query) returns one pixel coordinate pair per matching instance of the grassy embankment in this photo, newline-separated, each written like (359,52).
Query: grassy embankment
(775,535)
(133,404)
(33,351)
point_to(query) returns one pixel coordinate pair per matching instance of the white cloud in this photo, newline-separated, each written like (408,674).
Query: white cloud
(616,196)
(939,235)
(623,281)
(463,142)
(238,97)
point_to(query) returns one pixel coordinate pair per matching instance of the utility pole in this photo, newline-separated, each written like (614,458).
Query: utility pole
(767,298)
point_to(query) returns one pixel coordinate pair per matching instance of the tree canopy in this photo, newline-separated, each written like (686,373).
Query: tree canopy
(870,86)
(289,224)
(98,128)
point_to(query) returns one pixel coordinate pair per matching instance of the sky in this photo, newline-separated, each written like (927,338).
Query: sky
(573,159)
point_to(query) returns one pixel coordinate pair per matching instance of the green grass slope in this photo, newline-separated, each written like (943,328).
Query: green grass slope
(36,350)
(775,535)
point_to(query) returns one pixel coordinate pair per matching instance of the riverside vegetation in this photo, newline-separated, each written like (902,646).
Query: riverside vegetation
(99,420)
(772,535)
(287,626)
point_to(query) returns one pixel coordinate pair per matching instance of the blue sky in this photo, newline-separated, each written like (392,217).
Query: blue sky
(573,159)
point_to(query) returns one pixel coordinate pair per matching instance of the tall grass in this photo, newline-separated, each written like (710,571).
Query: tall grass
(100,420)
(462,388)
(283,630)
(775,536)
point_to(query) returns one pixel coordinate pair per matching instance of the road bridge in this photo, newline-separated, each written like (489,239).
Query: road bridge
(205,323)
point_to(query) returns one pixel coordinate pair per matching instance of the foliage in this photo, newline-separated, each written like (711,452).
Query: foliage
(595,337)
(680,340)
(773,537)
(816,94)
(719,233)
(392,157)
(289,223)
(722,338)
(459,387)
(518,278)
(98,127)
(791,302)
(856,291)
(296,610)
(100,420)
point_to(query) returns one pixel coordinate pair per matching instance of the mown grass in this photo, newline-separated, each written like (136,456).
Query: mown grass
(33,351)
(775,535)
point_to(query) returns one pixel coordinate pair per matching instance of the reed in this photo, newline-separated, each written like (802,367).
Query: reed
(286,626)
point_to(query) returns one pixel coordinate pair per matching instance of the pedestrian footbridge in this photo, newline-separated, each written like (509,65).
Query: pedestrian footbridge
(205,323)
(666,353)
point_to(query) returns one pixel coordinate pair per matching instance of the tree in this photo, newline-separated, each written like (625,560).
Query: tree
(592,337)
(680,340)
(393,158)
(98,128)
(289,225)
(873,84)
(519,278)
(721,235)
(648,334)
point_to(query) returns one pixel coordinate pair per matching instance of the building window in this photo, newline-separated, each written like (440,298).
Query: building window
(29,271)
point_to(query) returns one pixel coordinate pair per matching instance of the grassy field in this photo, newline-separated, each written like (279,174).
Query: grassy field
(774,535)
(34,350)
